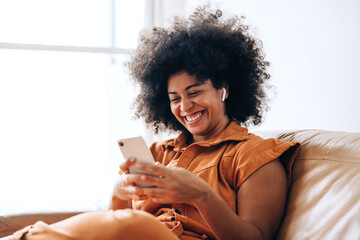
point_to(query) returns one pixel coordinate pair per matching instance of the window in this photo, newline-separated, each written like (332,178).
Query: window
(64,100)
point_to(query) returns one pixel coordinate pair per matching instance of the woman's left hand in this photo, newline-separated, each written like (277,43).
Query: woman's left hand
(174,184)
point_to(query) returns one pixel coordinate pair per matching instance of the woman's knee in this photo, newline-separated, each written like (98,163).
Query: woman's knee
(142,225)
(111,225)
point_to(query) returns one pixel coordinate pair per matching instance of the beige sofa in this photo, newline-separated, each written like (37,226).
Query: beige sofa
(324,198)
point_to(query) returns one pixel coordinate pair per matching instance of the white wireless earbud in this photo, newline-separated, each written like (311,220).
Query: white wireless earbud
(223,95)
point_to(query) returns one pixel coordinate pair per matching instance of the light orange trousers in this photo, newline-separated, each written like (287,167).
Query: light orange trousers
(111,225)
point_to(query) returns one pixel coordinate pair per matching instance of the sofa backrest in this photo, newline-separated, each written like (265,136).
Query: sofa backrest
(324,197)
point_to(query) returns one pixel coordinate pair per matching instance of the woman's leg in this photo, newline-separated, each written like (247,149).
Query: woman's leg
(112,225)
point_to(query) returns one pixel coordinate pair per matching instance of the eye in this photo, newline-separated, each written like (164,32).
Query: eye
(175,99)
(194,93)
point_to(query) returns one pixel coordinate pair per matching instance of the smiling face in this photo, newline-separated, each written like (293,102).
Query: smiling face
(197,106)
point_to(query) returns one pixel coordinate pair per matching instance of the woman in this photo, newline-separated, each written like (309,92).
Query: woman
(215,180)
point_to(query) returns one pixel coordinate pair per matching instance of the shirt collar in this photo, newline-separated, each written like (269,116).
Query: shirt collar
(233,132)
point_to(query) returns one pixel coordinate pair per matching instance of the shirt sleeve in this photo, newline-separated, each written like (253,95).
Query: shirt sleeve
(256,152)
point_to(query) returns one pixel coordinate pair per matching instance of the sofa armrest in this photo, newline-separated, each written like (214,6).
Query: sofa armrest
(11,223)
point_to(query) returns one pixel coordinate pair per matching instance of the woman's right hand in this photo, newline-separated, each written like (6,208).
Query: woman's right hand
(124,188)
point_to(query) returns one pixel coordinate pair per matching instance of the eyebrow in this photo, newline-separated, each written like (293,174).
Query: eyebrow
(188,87)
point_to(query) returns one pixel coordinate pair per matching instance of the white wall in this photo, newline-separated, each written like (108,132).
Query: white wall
(314,48)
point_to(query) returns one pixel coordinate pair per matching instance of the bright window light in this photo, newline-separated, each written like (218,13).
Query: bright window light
(62,112)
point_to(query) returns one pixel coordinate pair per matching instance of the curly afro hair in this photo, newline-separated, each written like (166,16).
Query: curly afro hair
(208,47)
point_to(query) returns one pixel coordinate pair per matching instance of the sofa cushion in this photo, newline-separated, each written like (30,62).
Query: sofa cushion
(324,197)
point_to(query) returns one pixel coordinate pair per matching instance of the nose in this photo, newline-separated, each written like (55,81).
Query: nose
(186,104)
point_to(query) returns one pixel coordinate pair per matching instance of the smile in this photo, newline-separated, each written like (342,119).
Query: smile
(193,117)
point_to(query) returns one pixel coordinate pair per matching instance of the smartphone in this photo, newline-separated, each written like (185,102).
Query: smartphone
(136,148)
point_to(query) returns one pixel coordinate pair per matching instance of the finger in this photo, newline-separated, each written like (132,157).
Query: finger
(161,200)
(157,169)
(151,192)
(130,179)
(155,180)
(125,165)
(131,192)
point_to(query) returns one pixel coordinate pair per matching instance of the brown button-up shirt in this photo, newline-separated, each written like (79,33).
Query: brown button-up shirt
(224,162)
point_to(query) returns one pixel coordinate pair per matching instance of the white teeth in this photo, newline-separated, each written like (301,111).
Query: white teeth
(194,117)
